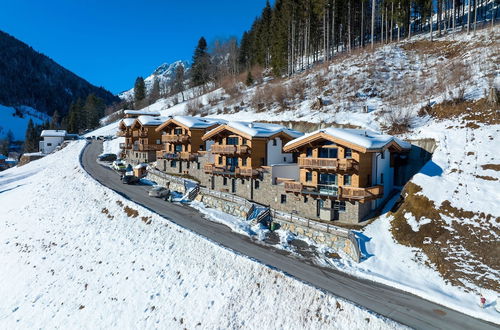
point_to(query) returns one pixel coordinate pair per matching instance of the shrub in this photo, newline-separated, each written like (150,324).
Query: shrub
(397,121)
(193,107)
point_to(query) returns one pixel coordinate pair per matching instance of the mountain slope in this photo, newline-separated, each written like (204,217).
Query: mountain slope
(165,73)
(32,79)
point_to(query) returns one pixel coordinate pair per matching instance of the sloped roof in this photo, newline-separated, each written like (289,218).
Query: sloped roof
(150,120)
(193,122)
(364,139)
(255,130)
(127,122)
(53,133)
(141,113)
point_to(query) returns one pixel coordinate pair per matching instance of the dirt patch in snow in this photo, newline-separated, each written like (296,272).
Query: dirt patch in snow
(462,245)
(480,111)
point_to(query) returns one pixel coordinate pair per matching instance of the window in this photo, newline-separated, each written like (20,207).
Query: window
(339,206)
(220,160)
(275,142)
(178,131)
(198,166)
(347,180)
(224,181)
(232,140)
(382,178)
(257,184)
(328,153)
(284,159)
(348,153)
(242,181)
(305,199)
(188,164)
(173,163)
(262,161)
(244,141)
(369,180)
(328,179)
(283,199)
(49,144)
(309,176)
(382,155)
(158,141)
(178,147)
(309,152)
(243,161)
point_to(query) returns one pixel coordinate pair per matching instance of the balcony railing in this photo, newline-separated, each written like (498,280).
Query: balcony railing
(147,147)
(185,155)
(126,133)
(230,149)
(293,186)
(175,138)
(143,133)
(362,194)
(243,171)
(334,164)
(125,146)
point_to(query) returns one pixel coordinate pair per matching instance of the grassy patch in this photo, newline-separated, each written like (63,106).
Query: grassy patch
(479,111)
(131,212)
(494,167)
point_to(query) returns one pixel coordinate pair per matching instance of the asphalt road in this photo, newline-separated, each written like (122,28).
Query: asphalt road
(400,306)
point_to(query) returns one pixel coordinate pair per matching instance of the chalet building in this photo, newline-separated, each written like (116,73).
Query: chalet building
(343,174)
(143,141)
(242,152)
(52,139)
(182,141)
(137,113)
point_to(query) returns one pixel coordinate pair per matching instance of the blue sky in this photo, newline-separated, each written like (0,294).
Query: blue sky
(110,42)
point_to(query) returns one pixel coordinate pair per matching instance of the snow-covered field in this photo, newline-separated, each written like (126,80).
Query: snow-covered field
(77,255)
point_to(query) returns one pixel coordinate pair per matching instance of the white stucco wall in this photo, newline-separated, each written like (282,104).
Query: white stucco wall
(50,143)
(383,166)
(275,153)
(288,171)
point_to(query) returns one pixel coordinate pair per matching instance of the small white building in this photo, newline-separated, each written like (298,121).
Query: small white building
(51,139)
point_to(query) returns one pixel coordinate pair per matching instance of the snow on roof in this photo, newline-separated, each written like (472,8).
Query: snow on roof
(128,121)
(198,122)
(141,165)
(363,138)
(52,133)
(255,129)
(140,112)
(151,121)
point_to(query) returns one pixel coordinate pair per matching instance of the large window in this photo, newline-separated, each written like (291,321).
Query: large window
(328,153)
(244,161)
(339,205)
(178,131)
(309,152)
(232,140)
(283,199)
(232,162)
(309,176)
(328,179)
(178,147)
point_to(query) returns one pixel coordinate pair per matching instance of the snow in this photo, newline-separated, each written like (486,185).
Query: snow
(81,261)
(151,120)
(255,129)
(140,112)
(198,122)
(18,126)
(363,138)
(113,146)
(127,121)
(53,133)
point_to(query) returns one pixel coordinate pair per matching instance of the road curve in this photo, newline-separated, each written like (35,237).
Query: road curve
(398,305)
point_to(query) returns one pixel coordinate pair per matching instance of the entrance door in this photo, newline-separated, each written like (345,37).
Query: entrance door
(232,163)
(233,186)
(319,205)
(213,183)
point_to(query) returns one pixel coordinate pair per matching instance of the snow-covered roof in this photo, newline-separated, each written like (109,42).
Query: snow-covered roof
(53,133)
(198,122)
(141,165)
(128,121)
(364,138)
(261,130)
(140,113)
(151,121)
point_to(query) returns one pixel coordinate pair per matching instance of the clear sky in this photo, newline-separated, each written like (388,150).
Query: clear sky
(111,42)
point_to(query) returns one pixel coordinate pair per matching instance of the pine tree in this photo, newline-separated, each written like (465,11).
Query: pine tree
(139,90)
(94,110)
(155,91)
(29,138)
(201,64)
(55,120)
(178,82)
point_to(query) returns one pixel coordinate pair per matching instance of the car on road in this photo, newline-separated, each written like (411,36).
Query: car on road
(159,192)
(106,157)
(119,165)
(130,179)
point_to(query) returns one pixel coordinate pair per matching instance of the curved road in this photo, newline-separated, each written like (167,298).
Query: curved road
(400,306)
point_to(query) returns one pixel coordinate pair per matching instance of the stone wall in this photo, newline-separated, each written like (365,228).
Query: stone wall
(232,208)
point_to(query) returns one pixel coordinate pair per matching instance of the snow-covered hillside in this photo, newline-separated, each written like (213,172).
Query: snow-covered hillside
(165,73)
(93,259)
(18,122)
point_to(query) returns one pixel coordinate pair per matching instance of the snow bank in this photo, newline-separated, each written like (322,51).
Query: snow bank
(72,257)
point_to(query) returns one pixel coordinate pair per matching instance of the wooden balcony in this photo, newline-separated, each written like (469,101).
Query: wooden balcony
(243,171)
(126,133)
(333,164)
(185,155)
(230,149)
(148,147)
(361,194)
(125,146)
(175,138)
(293,187)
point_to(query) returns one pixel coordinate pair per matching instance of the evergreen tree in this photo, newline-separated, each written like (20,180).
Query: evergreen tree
(55,120)
(201,64)
(94,110)
(250,80)
(139,90)
(155,91)
(178,82)
(30,138)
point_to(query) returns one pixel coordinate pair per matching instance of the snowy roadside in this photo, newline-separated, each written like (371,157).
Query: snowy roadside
(77,254)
